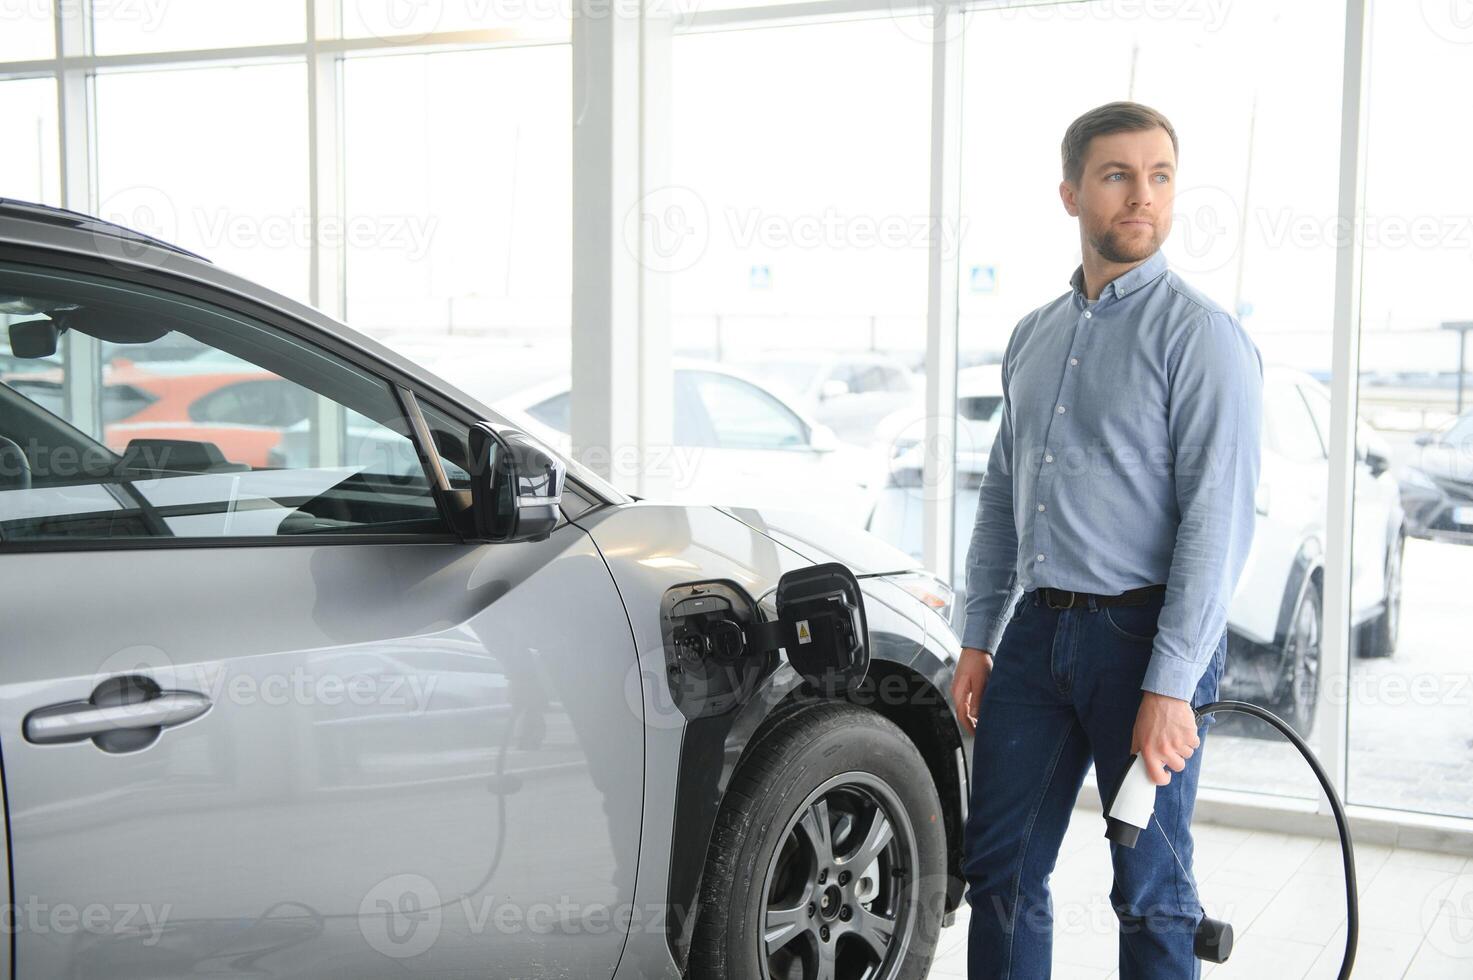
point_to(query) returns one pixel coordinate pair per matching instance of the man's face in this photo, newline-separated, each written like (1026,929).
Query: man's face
(1124,197)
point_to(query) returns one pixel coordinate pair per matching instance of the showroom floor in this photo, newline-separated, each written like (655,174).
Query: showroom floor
(1284,897)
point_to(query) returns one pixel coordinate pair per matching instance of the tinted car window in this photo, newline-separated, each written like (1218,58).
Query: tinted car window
(316,446)
(743,416)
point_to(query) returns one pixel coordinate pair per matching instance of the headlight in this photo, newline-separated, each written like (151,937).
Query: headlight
(929,589)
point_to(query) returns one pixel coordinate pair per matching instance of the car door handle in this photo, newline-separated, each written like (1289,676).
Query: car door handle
(75,721)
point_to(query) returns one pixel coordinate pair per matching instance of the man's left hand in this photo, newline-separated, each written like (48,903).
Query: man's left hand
(1166,734)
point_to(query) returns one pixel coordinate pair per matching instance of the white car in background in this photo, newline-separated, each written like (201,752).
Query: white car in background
(735,441)
(1276,618)
(849,391)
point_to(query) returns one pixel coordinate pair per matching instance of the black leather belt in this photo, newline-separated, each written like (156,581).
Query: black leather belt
(1065,599)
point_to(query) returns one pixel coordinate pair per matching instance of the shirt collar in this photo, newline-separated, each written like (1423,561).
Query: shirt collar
(1124,284)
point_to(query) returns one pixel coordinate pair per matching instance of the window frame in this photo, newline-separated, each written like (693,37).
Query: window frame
(405,390)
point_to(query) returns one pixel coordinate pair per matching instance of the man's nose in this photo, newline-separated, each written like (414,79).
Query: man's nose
(1142,191)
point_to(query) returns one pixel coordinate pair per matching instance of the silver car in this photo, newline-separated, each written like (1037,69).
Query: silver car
(420,697)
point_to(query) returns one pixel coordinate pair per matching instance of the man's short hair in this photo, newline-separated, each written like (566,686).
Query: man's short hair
(1113,117)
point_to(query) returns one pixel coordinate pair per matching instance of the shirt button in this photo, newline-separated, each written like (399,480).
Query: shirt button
(1087,314)
(1040,506)
(1073,360)
(1040,557)
(1061,409)
(1048,459)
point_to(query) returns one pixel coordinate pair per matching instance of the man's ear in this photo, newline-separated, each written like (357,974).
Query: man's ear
(1066,194)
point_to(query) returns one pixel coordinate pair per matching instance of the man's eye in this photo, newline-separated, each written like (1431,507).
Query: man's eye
(1114,175)
(1165,178)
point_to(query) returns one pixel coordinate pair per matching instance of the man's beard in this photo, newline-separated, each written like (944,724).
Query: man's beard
(1113,247)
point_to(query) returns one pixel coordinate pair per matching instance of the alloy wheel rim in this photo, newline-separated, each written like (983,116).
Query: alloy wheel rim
(1304,657)
(838,899)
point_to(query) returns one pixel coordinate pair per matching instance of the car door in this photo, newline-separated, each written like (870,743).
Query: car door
(1376,497)
(281,721)
(1290,508)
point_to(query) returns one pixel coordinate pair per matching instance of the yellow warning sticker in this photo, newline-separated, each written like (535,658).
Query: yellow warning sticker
(804,636)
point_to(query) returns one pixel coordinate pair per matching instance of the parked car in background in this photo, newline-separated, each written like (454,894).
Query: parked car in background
(1438,491)
(224,401)
(1275,621)
(848,391)
(734,440)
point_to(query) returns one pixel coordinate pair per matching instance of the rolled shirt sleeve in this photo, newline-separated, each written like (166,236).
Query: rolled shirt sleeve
(992,556)
(1214,424)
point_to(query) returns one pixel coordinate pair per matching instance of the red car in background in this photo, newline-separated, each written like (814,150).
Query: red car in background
(185,400)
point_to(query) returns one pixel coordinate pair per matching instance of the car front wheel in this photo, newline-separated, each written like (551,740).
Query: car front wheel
(828,857)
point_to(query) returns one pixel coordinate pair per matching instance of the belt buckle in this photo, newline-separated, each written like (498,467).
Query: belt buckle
(1048,598)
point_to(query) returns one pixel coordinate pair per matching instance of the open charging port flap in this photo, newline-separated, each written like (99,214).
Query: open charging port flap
(718,647)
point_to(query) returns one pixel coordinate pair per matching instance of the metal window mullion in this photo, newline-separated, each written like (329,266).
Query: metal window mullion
(82,355)
(1344,395)
(938,478)
(327,286)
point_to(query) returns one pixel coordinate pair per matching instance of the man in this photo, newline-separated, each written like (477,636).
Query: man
(1119,501)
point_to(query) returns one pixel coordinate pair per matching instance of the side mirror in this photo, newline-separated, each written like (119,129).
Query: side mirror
(822,439)
(516,484)
(833,388)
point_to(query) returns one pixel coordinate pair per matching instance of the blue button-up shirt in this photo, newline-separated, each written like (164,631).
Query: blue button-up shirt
(1127,455)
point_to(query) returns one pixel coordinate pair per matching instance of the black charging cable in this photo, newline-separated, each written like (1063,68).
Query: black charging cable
(1347,852)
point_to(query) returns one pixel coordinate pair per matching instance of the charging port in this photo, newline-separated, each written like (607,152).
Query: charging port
(718,647)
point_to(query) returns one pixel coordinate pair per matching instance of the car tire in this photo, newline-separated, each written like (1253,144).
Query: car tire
(783,898)
(1298,688)
(1384,630)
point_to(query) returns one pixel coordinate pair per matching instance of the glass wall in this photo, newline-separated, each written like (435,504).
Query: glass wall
(797,233)
(414,160)
(1409,699)
(231,185)
(1248,88)
(412,167)
(29,169)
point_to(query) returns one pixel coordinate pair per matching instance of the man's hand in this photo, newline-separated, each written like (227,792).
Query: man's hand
(1165,733)
(968,684)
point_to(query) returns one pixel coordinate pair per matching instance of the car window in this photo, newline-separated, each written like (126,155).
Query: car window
(743,416)
(1460,433)
(260,434)
(1290,427)
(270,402)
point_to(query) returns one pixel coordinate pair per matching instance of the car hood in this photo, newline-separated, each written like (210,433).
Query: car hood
(819,539)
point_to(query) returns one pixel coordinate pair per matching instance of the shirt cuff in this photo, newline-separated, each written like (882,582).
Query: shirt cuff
(1173,677)
(985,633)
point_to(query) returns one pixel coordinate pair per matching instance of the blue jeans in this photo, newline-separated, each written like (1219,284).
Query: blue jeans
(1064,692)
